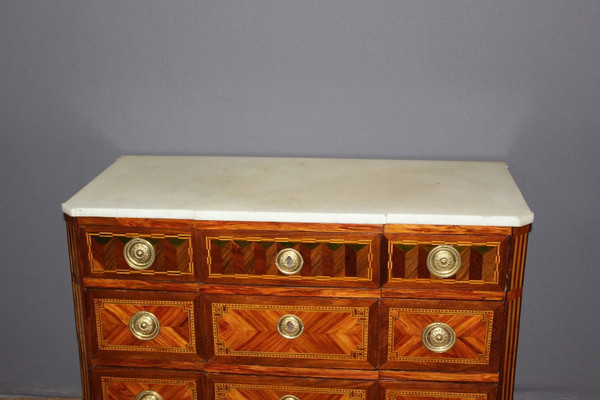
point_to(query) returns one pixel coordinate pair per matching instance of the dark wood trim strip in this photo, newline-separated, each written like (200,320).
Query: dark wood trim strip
(299,372)
(438,376)
(78,302)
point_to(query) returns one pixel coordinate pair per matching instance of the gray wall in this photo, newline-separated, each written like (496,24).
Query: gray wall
(82,82)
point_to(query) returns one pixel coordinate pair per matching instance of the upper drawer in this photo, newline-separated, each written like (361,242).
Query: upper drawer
(291,331)
(138,252)
(291,258)
(446,261)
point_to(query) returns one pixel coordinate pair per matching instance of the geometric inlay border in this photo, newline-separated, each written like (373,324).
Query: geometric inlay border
(223,389)
(483,358)
(450,280)
(360,314)
(186,306)
(190,385)
(402,394)
(369,243)
(181,236)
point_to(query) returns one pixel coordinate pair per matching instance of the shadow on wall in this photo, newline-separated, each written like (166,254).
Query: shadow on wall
(47,155)
(554,160)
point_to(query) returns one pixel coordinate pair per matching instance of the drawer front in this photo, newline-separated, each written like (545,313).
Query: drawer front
(292,258)
(144,324)
(139,253)
(437,391)
(441,335)
(447,261)
(293,332)
(226,387)
(142,385)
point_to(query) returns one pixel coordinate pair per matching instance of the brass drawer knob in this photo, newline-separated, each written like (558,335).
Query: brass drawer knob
(148,395)
(290,326)
(438,337)
(289,397)
(144,325)
(289,261)
(443,261)
(139,254)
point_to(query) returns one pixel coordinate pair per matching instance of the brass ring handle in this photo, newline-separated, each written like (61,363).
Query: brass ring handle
(289,261)
(443,261)
(290,326)
(148,395)
(438,337)
(289,397)
(139,254)
(144,325)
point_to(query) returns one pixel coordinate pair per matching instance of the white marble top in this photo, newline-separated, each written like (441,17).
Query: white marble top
(304,190)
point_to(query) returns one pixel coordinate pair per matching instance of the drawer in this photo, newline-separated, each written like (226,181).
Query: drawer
(115,384)
(441,335)
(291,258)
(437,391)
(292,331)
(131,325)
(139,252)
(227,387)
(446,261)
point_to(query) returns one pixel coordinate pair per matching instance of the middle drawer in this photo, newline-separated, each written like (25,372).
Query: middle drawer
(291,331)
(133,326)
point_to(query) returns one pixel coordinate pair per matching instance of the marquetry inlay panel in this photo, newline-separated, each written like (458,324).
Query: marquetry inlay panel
(121,388)
(234,391)
(173,254)
(473,330)
(482,261)
(330,332)
(176,318)
(432,395)
(336,259)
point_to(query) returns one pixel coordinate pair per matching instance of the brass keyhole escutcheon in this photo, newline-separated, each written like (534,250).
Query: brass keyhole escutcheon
(144,325)
(443,261)
(438,337)
(290,326)
(139,254)
(289,261)
(148,395)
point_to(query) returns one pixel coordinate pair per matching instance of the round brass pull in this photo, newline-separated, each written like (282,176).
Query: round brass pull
(438,337)
(289,261)
(148,395)
(144,325)
(443,261)
(139,254)
(290,326)
(289,397)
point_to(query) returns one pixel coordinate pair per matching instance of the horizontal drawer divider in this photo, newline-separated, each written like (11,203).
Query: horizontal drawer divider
(300,372)
(145,363)
(438,376)
(296,291)
(402,293)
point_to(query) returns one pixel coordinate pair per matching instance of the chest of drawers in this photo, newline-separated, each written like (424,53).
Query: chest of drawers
(233,278)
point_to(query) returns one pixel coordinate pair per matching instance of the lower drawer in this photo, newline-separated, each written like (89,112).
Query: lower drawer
(127,384)
(227,387)
(436,391)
